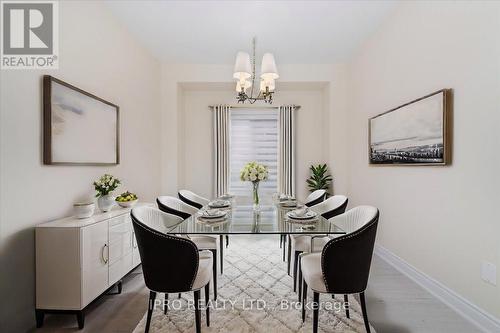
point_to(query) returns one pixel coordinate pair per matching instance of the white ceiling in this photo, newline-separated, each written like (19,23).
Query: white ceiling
(211,32)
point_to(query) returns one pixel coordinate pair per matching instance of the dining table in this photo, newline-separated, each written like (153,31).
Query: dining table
(246,220)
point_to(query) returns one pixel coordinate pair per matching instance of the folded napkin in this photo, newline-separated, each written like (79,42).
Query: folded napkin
(301,211)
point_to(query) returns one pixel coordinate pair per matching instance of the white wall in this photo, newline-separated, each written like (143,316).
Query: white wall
(99,56)
(442,220)
(188,90)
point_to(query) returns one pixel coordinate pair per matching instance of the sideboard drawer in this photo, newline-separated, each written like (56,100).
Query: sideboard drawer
(120,240)
(120,268)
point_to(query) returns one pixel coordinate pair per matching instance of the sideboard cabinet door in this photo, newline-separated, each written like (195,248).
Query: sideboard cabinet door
(120,248)
(95,258)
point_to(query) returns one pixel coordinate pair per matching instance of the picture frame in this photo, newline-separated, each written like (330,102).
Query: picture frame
(416,133)
(79,128)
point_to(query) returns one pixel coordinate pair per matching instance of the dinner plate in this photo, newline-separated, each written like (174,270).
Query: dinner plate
(288,204)
(219,204)
(303,222)
(210,221)
(309,215)
(226,197)
(212,215)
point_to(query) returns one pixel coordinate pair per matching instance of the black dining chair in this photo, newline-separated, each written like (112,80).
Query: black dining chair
(315,198)
(177,207)
(329,208)
(192,198)
(343,266)
(197,201)
(170,264)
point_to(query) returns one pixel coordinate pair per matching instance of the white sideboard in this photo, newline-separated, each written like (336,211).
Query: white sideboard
(79,259)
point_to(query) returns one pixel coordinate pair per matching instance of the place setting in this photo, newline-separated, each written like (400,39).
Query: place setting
(286,201)
(227,197)
(219,204)
(212,216)
(302,216)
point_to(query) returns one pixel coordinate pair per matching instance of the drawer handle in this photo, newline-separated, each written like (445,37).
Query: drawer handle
(102,254)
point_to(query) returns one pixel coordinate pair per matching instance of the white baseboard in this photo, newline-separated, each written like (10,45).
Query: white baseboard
(471,312)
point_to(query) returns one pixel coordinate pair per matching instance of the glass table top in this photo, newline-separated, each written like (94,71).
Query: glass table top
(243,220)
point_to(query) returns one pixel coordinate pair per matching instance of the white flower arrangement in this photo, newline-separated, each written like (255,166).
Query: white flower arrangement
(254,172)
(105,185)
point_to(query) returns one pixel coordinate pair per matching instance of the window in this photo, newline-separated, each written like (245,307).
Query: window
(254,137)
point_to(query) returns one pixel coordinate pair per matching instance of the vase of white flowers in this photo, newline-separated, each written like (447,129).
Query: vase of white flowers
(255,173)
(104,186)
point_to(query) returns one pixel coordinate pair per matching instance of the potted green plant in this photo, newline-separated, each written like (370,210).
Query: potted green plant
(104,186)
(319,179)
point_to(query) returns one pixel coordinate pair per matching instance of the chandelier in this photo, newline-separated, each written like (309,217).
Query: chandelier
(244,73)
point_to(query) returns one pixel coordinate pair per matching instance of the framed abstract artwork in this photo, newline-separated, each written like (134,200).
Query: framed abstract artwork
(78,128)
(416,133)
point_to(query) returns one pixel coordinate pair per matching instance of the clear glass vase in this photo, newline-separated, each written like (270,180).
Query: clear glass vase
(256,206)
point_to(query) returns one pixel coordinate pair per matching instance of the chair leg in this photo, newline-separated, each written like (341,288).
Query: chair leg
(179,296)
(289,254)
(315,311)
(300,280)
(363,309)
(221,254)
(295,265)
(304,300)
(207,294)
(346,305)
(151,305)
(197,313)
(165,302)
(281,241)
(227,241)
(215,273)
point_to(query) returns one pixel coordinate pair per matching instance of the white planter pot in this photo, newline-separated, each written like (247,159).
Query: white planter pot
(106,202)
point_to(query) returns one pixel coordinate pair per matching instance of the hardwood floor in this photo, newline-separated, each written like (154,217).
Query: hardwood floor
(395,305)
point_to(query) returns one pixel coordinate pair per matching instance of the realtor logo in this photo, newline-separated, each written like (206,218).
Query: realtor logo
(29,35)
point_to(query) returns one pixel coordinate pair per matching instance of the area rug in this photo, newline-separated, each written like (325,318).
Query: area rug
(255,294)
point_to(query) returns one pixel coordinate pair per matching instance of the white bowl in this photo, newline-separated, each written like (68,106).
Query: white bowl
(84,210)
(127,204)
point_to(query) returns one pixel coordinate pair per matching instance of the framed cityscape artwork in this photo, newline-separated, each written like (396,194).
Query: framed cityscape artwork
(416,133)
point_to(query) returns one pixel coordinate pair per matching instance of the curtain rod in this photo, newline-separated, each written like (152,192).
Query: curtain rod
(251,106)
